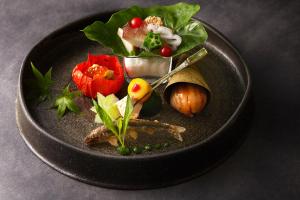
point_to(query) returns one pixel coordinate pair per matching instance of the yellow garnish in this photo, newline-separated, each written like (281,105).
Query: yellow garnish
(139,89)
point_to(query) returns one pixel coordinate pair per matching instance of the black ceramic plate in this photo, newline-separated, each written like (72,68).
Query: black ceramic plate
(209,137)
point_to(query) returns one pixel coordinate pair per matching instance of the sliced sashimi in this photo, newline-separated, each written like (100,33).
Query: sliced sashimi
(135,36)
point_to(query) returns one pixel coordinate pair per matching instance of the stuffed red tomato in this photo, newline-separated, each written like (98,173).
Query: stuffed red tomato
(100,73)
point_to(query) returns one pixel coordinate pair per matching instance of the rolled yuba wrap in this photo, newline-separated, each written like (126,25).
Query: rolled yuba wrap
(187,91)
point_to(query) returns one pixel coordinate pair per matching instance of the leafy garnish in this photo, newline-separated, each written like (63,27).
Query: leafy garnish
(174,16)
(178,17)
(107,121)
(66,101)
(41,85)
(108,104)
(127,115)
(193,32)
(119,126)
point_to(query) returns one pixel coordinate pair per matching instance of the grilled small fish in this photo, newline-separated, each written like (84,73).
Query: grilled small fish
(102,134)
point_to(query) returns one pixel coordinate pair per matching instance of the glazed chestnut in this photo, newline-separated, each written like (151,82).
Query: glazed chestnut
(188,98)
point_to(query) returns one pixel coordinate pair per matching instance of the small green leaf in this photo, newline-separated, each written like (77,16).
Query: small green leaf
(119,125)
(48,76)
(127,115)
(72,106)
(41,85)
(75,94)
(61,109)
(66,90)
(66,101)
(38,75)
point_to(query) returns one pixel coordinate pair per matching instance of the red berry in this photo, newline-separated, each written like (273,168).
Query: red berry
(135,22)
(136,87)
(166,51)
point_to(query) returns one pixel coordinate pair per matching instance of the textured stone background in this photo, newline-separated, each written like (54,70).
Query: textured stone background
(267,166)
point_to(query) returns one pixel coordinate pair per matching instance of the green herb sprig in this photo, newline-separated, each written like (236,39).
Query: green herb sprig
(66,102)
(41,85)
(119,127)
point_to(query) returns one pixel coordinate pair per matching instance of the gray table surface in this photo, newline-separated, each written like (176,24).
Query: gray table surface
(267,166)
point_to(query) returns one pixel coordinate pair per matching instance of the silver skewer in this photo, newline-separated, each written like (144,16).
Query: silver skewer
(190,60)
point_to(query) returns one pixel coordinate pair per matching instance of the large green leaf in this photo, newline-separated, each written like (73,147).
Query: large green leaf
(106,33)
(177,17)
(193,34)
(174,16)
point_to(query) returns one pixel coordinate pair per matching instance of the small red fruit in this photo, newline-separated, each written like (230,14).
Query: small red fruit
(135,22)
(136,87)
(166,51)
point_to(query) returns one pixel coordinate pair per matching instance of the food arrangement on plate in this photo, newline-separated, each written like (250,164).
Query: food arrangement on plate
(126,102)
(160,47)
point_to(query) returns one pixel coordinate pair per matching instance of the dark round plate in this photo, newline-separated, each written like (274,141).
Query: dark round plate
(209,138)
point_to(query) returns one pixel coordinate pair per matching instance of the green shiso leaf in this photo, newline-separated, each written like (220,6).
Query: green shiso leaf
(178,17)
(192,34)
(106,33)
(174,16)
